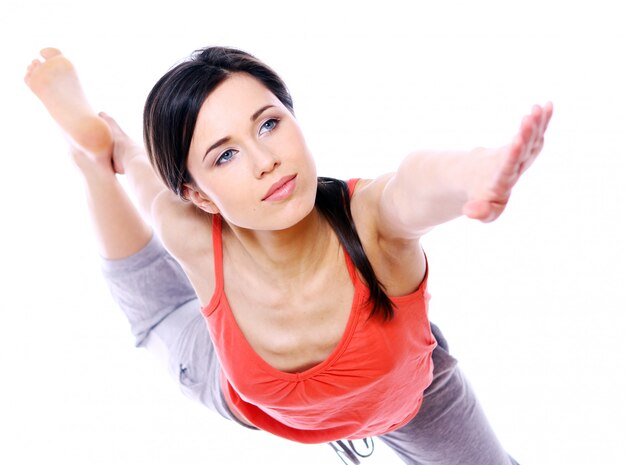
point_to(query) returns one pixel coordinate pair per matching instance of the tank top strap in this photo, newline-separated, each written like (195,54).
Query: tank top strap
(218,263)
(352,185)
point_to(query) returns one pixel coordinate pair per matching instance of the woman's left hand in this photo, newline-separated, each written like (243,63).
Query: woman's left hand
(490,196)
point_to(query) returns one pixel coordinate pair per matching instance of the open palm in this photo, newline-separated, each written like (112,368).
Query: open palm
(488,201)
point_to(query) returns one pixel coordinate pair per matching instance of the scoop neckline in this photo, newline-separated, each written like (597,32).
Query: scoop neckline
(343,343)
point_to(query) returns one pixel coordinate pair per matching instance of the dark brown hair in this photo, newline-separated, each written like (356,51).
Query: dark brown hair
(169,119)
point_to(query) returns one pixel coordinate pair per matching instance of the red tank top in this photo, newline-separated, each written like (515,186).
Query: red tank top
(372,383)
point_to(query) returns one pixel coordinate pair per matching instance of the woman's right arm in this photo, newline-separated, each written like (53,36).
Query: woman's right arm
(184,230)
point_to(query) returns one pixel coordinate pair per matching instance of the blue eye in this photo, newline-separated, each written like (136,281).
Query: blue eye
(269,125)
(225,157)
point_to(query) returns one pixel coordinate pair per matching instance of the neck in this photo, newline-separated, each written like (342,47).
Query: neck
(287,255)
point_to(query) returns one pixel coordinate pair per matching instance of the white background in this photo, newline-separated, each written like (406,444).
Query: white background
(533,304)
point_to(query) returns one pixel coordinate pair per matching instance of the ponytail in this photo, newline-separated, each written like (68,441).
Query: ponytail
(333,201)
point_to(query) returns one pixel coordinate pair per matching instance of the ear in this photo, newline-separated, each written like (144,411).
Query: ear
(199,199)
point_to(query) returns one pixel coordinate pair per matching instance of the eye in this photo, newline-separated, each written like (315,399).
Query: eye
(268,126)
(225,157)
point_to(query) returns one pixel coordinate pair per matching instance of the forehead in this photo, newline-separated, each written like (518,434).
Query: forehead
(232,102)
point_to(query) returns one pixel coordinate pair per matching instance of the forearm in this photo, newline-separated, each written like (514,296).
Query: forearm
(172,218)
(144,183)
(431,188)
(118,226)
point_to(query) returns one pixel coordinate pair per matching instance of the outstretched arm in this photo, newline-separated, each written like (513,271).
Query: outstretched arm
(431,188)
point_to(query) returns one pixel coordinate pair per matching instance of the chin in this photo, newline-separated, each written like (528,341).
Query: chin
(294,213)
(293,217)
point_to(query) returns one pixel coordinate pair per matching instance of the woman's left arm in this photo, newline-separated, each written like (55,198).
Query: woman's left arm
(431,188)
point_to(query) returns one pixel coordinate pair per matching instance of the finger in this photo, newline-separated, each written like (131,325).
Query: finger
(544,118)
(535,141)
(531,123)
(526,139)
(549,109)
(534,122)
(483,210)
(506,180)
(523,149)
(503,185)
(526,163)
(509,169)
(475,209)
(547,116)
(111,122)
(541,117)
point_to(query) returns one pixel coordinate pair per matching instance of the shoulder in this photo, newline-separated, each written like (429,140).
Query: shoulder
(182,226)
(399,262)
(186,232)
(379,202)
(369,208)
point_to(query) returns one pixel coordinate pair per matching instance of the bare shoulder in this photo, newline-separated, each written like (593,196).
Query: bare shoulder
(364,205)
(186,233)
(183,228)
(398,262)
(369,212)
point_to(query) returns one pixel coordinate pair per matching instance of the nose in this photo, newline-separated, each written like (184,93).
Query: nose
(264,161)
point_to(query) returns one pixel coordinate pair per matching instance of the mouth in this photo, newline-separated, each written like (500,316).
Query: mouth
(281,189)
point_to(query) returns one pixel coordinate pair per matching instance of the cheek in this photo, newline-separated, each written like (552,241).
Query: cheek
(232,199)
(296,145)
(298,138)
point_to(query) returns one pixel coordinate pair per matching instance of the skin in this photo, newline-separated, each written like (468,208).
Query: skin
(56,84)
(258,154)
(285,275)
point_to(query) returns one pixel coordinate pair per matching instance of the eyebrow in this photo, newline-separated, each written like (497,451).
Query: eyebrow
(223,140)
(256,114)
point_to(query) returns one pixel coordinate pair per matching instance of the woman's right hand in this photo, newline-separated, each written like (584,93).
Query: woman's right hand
(124,148)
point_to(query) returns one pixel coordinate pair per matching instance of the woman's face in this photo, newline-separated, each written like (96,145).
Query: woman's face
(248,158)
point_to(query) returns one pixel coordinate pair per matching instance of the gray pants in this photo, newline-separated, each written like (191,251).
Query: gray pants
(161,306)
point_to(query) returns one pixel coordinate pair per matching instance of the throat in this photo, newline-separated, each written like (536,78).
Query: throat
(284,256)
(294,328)
(289,291)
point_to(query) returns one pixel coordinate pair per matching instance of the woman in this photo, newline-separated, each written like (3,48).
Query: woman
(313,290)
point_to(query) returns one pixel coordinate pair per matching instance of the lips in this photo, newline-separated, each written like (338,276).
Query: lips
(281,188)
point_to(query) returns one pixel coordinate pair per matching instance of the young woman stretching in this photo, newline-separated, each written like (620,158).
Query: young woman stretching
(294,304)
